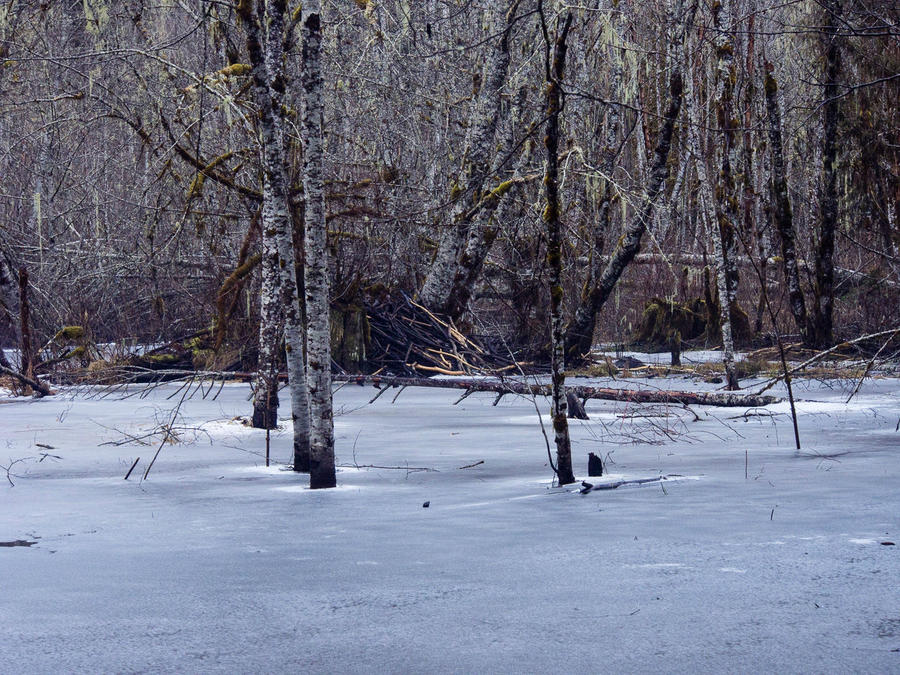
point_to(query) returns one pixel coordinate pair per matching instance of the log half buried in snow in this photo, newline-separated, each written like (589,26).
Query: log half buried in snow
(501,387)
(40,388)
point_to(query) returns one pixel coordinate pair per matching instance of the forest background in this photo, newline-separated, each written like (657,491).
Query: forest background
(610,170)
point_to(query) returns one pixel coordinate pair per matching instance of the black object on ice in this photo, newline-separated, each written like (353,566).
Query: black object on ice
(426,505)
(595,465)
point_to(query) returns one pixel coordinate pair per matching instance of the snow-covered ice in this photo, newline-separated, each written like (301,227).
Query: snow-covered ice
(749,558)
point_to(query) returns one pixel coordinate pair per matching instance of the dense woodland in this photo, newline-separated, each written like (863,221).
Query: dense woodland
(341,185)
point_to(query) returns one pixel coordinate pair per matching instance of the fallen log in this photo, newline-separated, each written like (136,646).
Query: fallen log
(590,487)
(502,387)
(40,388)
(469,385)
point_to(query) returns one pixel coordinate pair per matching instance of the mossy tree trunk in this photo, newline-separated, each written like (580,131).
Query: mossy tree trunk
(476,165)
(280,298)
(723,230)
(821,326)
(552,213)
(321,440)
(782,214)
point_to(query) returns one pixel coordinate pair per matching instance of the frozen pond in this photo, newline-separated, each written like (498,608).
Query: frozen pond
(749,558)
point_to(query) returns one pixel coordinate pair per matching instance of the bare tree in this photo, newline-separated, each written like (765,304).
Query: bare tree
(476,163)
(782,215)
(279,300)
(554,70)
(821,326)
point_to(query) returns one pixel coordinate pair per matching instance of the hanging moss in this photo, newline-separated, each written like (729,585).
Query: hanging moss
(235,69)
(69,334)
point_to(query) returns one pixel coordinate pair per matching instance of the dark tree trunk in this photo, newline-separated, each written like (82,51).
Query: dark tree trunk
(782,215)
(552,212)
(821,333)
(26,344)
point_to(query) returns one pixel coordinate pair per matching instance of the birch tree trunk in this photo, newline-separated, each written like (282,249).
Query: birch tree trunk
(552,213)
(275,172)
(723,230)
(484,228)
(435,293)
(280,301)
(321,438)
(271,310)
(579,338)
(782,215)
(271,328)
(821,324)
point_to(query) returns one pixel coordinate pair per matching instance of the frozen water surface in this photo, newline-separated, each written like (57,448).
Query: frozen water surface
(750,559)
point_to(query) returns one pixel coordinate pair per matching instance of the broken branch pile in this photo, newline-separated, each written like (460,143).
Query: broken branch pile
(406,339)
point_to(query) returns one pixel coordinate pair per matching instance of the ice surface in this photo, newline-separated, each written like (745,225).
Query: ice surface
(219,564)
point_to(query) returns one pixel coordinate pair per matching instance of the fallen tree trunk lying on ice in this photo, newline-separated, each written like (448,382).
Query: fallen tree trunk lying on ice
(130,375)
(503,387)
(40,388)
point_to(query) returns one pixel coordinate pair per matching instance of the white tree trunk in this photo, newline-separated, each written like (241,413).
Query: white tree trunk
(723,229)
(271,325)
(321,439)
(477,155)
(280,297)
(276,176)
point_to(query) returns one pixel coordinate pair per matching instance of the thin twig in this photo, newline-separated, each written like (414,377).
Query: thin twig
(167,430)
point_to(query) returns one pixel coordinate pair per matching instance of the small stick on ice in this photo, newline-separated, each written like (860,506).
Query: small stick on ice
(132,468)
